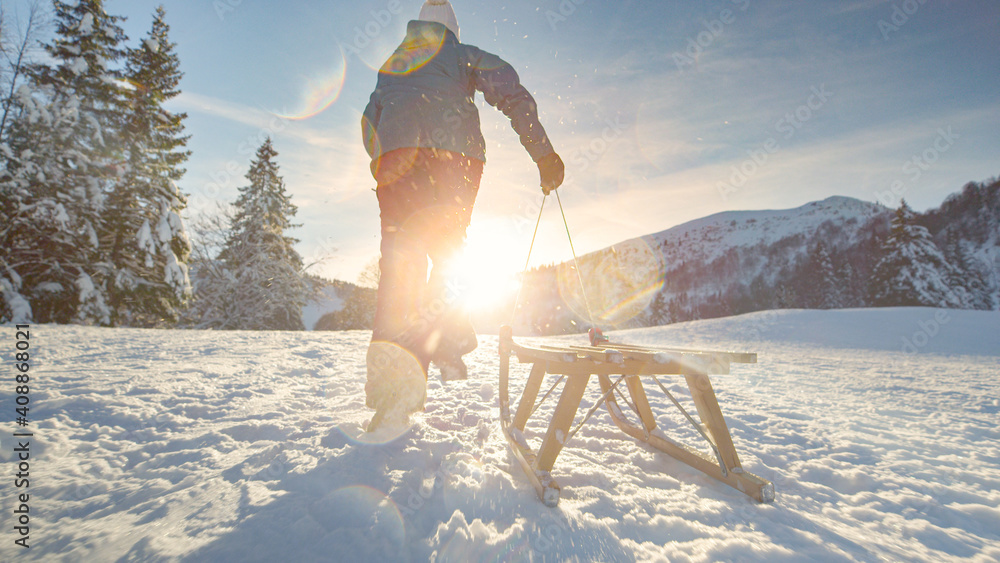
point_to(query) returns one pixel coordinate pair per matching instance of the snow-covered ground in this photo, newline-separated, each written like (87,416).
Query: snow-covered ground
(878,428)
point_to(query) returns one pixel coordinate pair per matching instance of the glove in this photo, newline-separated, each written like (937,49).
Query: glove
(551,171)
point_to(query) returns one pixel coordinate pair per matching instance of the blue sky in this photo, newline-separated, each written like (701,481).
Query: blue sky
(663,111)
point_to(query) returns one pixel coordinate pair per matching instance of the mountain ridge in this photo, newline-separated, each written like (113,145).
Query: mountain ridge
(818,255)
(748,222)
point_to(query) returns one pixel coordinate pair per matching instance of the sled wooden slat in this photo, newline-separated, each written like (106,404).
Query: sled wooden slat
(562,419)
(579,363)
(546,488)
(654,353)
(529,395)
(638,395)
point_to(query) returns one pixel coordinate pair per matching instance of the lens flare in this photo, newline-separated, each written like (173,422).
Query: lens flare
(619,283)
(415,51)
(362,508)
(320,91)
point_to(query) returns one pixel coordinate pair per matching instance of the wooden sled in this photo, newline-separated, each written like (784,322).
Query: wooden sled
(631,365)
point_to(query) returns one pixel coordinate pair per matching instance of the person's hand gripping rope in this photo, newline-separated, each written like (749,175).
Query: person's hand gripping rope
(551,171)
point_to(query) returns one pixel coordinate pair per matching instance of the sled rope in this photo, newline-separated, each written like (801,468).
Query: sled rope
(576,262)
(524,272)
(698,427)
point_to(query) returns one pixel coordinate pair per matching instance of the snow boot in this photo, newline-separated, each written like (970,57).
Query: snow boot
(448,356)
(452,369)
(396,386)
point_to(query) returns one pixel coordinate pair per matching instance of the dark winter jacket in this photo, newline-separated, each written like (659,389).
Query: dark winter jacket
(425,97)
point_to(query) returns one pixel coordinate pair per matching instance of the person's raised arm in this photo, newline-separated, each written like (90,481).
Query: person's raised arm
(502,89)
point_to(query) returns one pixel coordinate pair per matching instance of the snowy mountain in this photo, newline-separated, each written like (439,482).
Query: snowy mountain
(728,263)
(821,255)
(710,238)
(877,427)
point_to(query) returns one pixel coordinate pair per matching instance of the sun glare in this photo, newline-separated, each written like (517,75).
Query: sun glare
(485,274)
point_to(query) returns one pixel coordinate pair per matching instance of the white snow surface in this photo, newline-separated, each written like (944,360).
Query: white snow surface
(877,427)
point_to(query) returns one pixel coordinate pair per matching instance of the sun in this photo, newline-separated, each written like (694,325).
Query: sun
(485,274)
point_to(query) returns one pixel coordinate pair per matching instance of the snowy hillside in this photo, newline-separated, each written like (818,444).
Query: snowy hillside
(720,265)
(878,428)
(709,238)
(824,255)
(328,301)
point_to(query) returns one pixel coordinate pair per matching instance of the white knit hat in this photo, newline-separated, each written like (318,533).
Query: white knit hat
(439,11)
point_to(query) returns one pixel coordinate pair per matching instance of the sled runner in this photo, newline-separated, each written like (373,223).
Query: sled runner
(614,364)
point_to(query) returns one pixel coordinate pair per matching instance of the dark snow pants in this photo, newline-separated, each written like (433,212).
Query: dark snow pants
(425,199)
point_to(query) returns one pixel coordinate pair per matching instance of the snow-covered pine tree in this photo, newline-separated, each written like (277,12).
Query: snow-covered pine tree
(39,248)
(144,238)
(967,273)
(18,44)
(658,312)
(913,271)
(823,286)
(211,282)
(61,158)
(850,295)
(262,269)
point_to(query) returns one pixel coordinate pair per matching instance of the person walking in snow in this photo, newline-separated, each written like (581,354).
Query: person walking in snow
(421,129)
